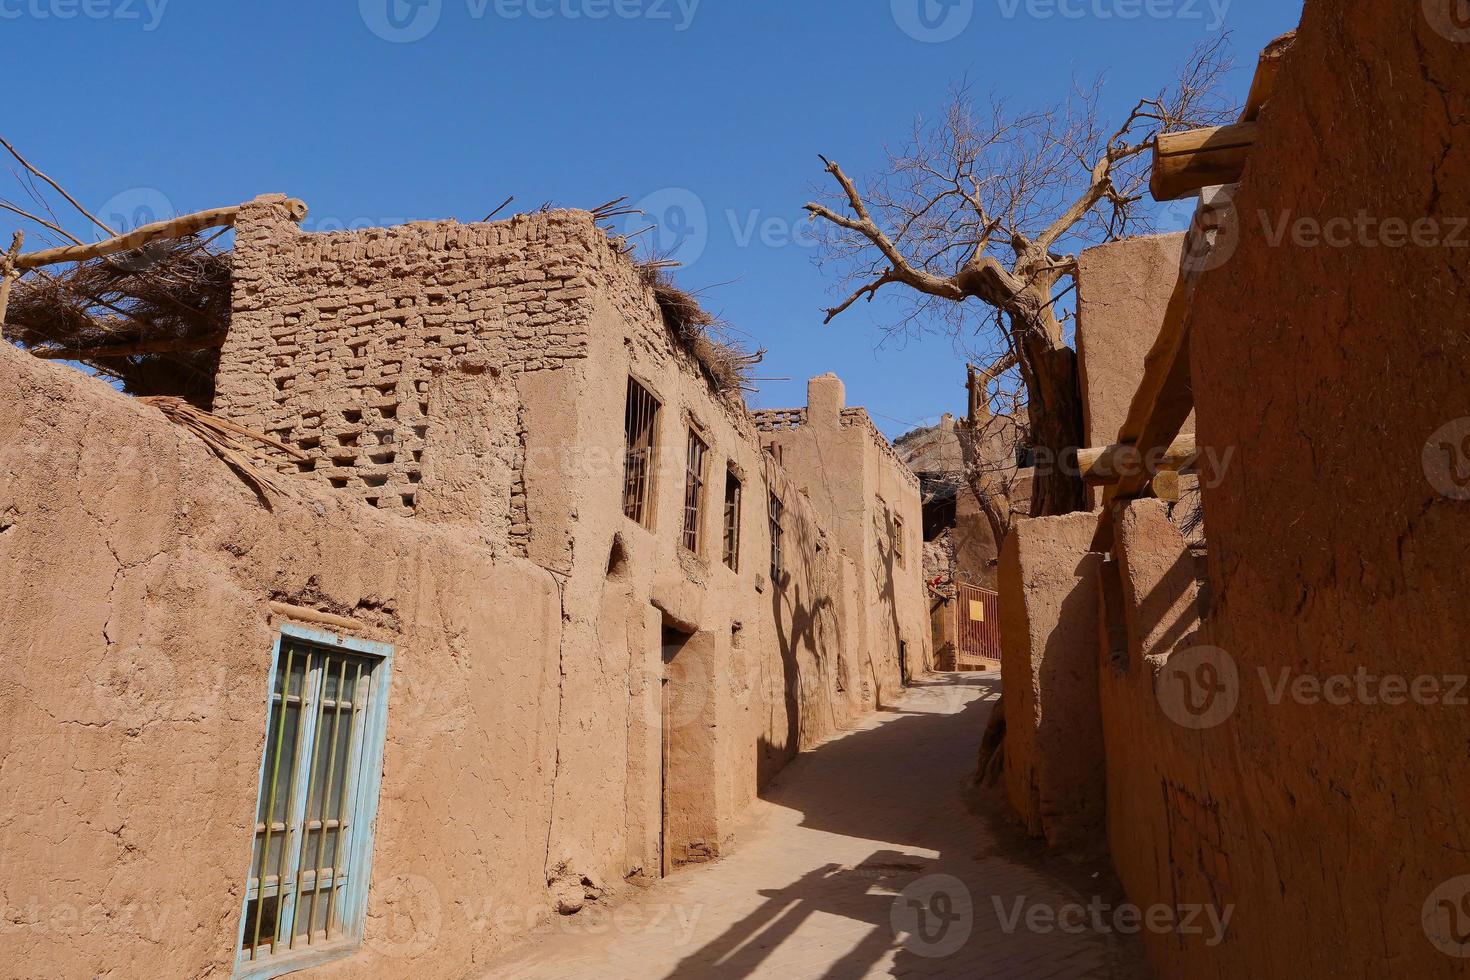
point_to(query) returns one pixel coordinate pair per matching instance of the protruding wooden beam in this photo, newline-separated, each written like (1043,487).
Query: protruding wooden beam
(188,224)
(315,616)
(1189,161)
(169,346)
(1109,465)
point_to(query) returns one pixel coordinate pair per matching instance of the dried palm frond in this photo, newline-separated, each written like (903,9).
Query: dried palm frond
(727,364)
(238,446)
(171,298)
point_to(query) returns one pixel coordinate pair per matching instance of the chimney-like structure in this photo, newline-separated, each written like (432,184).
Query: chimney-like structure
(826,397)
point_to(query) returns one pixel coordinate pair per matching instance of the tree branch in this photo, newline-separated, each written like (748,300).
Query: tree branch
(59,189)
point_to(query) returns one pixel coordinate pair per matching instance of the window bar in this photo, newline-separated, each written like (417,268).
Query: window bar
(290,801)
(326,801)
(342,811)
(640,461)
(270,813)
(630,430)
(321,685)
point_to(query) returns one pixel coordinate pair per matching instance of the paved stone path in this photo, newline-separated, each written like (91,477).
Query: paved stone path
(852,844)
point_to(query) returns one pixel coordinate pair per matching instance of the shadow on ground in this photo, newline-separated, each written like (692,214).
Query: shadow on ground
(953,870)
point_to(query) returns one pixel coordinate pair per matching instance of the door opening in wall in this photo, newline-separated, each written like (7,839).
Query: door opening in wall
(689,825)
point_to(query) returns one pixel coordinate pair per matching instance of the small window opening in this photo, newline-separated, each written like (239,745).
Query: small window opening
(694,480)
(640,424)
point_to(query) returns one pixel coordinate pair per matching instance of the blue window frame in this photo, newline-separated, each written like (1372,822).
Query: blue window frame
(316,811)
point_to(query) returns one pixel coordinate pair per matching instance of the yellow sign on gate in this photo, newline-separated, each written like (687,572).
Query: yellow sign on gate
(977,611)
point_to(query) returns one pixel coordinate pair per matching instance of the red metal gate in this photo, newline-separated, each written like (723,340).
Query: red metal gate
(976,628)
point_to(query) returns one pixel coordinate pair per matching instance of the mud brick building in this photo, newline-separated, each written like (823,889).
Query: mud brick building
(537,612)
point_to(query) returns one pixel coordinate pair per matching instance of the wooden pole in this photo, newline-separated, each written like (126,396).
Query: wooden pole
(1104,467)
(7,275)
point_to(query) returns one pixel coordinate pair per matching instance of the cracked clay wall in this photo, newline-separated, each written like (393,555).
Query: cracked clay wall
(1334,824)
(137,572)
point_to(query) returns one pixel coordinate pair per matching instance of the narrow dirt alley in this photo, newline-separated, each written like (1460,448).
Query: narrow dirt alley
(870,856)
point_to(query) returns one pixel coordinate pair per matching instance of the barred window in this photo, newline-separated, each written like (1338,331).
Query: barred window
(732,520)
(777,512)
(306,894)
(641,425)
(694,480)
(898,540)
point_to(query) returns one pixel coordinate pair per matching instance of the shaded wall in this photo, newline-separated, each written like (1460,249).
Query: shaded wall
(1048,610)
(1336,539)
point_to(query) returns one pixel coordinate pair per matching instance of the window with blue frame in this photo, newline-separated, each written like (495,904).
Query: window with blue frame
(306,894)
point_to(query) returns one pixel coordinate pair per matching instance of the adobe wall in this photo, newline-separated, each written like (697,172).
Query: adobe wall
(1048,610)
(1123,290)
(1338,372)
(137,572)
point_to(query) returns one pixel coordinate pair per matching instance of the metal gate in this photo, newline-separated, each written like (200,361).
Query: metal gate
(976,628)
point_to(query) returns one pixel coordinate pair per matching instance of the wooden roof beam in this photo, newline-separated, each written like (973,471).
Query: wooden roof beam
(1189,161)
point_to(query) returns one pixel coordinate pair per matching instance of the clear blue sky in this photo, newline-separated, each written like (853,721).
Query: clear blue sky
(719,105)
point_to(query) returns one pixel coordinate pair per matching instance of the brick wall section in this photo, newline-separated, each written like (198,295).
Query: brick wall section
(336,338)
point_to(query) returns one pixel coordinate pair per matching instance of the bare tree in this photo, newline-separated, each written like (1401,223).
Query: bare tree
(990,205)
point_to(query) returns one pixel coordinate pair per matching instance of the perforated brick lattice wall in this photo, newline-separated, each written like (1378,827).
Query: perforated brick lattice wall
(335,337)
